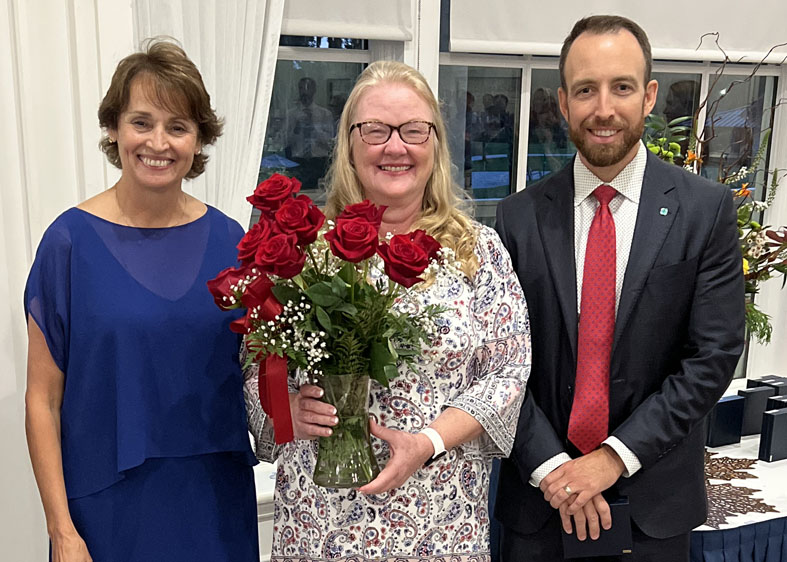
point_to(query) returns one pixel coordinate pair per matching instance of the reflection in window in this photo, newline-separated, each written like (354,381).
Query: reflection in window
(678,97)
(738,115)
(548,147)
(307,100)
(323,42)
(481,109)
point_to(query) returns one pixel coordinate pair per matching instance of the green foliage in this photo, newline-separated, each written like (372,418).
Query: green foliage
(339,309)
(663,138)
(758,323)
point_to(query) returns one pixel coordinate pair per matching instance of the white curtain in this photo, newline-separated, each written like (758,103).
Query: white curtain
(538,28)
(234,44)
(389,20)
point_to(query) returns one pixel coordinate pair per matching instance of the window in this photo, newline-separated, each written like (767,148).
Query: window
(323,42)
(481,110)
(738,115)
(314,76)
(548,145)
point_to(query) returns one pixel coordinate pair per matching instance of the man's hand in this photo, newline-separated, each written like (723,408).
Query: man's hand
(594,513)
(585,477)
(409,451)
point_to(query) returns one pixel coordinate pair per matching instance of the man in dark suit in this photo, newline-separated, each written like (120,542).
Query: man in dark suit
(633,278)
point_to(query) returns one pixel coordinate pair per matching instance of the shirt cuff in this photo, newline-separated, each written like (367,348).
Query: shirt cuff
(546,467)
(630,460)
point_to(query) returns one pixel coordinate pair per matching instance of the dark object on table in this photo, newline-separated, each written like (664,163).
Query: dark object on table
(773,442)
(725,421)
(779,385)
(776,403)
(754,383)
(755,401)
(612,542)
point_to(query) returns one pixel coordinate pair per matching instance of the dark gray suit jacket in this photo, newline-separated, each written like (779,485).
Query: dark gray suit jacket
(678,335)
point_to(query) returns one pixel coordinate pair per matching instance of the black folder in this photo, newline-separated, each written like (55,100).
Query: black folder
(776,403)
(611,542)
(754,383)
(725,421)
(773,442)
(780,386)
(755,402)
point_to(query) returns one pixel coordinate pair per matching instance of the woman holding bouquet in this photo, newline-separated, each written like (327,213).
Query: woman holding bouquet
(462,394)
(135,413)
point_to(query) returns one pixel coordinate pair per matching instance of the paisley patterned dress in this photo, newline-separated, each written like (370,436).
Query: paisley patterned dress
(479,363)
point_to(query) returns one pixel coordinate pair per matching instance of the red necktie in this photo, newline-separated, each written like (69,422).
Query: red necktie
(589,421)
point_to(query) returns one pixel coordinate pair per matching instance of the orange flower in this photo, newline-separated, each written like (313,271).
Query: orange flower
(692,157)
(743,191)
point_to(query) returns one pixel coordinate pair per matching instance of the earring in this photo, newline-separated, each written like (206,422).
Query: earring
(112,141)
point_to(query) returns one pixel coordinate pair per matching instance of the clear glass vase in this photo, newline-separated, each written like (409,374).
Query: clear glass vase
(345,459)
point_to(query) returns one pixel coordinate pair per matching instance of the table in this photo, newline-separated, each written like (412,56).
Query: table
(747,507)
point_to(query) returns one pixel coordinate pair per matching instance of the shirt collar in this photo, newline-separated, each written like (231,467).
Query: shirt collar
(628,182)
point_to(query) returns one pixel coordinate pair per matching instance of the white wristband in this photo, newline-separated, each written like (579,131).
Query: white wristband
(437,443)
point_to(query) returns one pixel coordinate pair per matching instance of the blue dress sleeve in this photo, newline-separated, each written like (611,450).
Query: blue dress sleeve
(48,289)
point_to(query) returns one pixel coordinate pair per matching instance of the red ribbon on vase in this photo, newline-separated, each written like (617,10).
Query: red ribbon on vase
(272,381)
(275,396)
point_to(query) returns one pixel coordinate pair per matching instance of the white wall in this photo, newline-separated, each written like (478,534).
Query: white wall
(56,59)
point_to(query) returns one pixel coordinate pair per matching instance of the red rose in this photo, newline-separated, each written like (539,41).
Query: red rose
(280,255)
(243,324)
(353,240)
(365,210)
(407,256)
(258,233)
(258,294)
(426,243)
(221,287)
(271,193)
(300,216)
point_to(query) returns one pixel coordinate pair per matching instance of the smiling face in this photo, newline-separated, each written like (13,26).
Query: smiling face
(156,146)
(606,99)
(394,173)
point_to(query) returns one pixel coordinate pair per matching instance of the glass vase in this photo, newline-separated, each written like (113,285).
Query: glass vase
(345,459)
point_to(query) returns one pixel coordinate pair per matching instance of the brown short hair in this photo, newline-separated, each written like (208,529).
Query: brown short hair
(606,24)
(173,82)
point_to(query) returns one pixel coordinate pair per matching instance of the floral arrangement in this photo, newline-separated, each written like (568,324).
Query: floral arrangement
(316,300)
(763,247)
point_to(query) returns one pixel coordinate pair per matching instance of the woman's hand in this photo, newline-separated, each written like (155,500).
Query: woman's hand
(311,418)
(69,547)
(409,452)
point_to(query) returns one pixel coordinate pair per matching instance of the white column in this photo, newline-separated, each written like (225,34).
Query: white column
(772,299)
(423,52)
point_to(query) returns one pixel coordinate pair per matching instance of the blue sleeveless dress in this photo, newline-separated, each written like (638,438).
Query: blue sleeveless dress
(156,455)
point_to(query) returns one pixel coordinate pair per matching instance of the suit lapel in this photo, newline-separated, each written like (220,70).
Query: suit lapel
(656,213)
(556,228)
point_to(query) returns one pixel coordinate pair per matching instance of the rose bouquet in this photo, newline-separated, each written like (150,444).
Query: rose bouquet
(317,301)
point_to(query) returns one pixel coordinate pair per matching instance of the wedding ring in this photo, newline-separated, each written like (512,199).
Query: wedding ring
(567,490)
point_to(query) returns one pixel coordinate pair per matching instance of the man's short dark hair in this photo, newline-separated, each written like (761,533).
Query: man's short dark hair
(599,25)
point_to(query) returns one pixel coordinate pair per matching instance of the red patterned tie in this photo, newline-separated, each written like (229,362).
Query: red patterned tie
(589,421)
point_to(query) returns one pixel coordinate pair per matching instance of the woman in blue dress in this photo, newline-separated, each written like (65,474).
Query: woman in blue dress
(135,414)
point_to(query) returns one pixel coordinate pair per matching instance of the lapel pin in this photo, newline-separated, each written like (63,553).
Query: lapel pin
(663,211)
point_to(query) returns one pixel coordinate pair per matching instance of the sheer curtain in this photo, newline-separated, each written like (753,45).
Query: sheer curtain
(234,45)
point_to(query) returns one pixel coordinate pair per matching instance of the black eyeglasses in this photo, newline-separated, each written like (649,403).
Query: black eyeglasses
(412,132)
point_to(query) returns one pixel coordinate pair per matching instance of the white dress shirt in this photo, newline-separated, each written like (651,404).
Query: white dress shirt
(624,206)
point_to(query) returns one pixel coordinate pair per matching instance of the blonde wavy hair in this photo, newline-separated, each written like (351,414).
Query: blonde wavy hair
(445,210)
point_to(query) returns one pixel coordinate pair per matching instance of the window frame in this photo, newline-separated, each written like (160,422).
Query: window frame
(527,63)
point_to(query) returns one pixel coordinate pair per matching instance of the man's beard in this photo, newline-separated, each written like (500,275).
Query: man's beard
(603,155)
